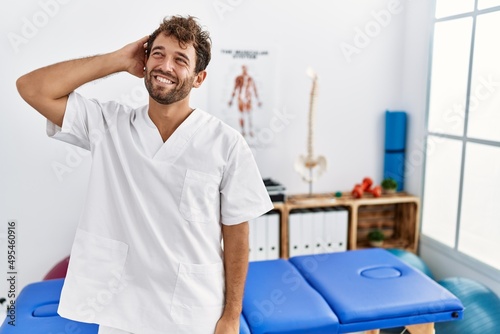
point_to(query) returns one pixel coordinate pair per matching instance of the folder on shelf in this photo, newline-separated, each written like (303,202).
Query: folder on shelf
(329,222)
(307,232)
(340,230)
(318,231)
(273,235)
(251,239)
(261,243)
(294,234)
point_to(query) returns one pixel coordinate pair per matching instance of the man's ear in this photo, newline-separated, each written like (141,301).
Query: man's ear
(200,77)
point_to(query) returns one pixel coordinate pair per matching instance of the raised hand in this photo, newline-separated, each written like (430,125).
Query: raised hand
(134,57)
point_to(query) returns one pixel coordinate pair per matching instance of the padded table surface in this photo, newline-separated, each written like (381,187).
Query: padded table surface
(372,288)
(279,300)
(36,312)
(244,325)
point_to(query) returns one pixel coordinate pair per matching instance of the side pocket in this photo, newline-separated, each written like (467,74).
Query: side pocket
(199,294)
(200,198)
(97,258)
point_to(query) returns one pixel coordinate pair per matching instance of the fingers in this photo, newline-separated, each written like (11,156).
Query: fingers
(144,42)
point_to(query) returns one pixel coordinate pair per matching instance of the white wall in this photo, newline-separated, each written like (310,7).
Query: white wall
(388,72)
(417,36)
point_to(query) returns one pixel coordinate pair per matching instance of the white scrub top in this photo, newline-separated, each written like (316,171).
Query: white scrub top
(147,255)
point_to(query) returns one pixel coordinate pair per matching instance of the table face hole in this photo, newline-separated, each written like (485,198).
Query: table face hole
(47,310)
(381,273)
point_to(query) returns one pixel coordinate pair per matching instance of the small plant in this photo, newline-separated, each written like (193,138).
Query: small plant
(376,237)
(389,184)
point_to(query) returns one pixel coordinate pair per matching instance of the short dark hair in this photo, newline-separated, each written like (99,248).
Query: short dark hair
(186,30)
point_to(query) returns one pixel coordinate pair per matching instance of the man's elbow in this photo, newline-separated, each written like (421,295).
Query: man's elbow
(51,109)
(25,89)
(29,92)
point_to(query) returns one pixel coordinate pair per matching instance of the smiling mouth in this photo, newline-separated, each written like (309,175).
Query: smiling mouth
(163,80)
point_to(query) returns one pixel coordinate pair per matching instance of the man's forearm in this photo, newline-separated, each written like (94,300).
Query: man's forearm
(47,88)
(58,80)
(236,267)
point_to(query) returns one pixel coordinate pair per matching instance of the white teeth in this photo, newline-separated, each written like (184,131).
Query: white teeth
(163,80)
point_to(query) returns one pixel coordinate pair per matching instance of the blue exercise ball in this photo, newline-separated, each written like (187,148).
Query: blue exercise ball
(482,308)
(411,259)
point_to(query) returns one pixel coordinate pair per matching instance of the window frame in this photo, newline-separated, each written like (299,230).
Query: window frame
(454,252)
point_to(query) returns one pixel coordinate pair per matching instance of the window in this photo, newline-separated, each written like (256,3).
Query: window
(461,200)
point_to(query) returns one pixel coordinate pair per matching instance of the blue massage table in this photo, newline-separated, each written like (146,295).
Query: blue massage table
(362,290)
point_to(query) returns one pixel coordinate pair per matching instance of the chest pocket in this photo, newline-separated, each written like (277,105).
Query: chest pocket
(200,199)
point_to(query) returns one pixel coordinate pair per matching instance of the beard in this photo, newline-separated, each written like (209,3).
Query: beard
(164,95)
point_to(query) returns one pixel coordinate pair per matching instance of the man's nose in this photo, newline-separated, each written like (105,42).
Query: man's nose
(167,65)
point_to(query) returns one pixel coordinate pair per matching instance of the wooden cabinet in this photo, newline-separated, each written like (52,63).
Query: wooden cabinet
(396,214)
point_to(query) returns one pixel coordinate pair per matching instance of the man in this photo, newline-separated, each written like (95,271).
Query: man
(167,184)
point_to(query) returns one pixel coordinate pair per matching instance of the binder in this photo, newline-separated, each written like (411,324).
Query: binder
(251,240)
(273,235)
(307,232)
(294,232)
(329,221)
(340,234)
(261,238)
(318,228)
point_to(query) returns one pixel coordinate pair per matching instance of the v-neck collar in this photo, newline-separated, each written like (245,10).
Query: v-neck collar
(177,141)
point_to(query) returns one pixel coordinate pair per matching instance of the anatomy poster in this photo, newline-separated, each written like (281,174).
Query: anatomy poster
(241,92)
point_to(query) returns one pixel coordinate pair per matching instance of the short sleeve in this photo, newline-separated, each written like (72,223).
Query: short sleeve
(81,118)
(243,194)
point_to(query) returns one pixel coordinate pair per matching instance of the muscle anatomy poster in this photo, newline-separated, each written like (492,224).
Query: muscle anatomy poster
(241,92)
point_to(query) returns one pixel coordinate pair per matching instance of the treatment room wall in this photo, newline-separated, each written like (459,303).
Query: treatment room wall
(43,181)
